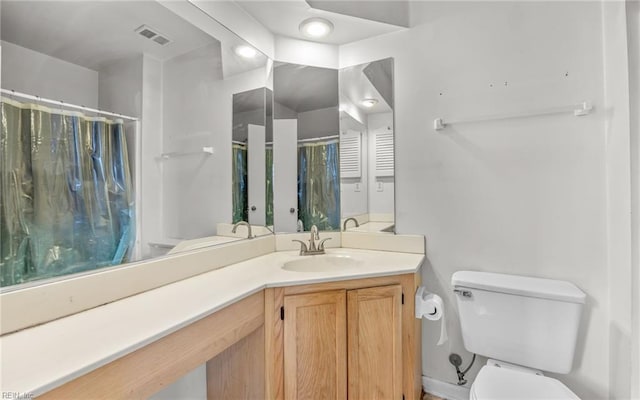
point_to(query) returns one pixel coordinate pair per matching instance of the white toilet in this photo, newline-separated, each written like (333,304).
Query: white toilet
(525,325)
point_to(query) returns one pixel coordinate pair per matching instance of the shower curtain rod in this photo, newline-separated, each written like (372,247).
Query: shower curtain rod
(319,139)
(63,104)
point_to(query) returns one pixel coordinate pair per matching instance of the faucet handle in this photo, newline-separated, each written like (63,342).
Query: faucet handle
(303,246)
(321,245)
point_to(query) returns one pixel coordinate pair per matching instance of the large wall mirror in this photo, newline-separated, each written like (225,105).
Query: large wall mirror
(306,148)
(367,147)
(333,148)
(118,134)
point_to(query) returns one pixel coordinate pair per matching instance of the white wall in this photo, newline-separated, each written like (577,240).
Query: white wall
(241,120)
(192,386)
(318,123)
(120,87)
(618,162)
(523,196)
(34,73)
(120,90)
(633,38)
(303,52)
(151,214)
(188,93)
(285,178)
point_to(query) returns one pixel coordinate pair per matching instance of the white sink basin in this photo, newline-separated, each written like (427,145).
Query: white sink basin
(323,263)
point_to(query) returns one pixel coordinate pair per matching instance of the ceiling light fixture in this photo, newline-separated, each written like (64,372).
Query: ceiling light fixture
(316,27)
(369,102)
(245,51)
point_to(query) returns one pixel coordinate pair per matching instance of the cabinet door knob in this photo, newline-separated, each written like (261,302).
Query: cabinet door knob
(253,208)
(292,210)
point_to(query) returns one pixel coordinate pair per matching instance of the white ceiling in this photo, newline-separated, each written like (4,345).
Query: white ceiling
(284,17)
(303,88)
(95,33)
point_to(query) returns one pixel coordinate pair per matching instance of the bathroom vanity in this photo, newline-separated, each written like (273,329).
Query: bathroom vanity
(267,144)
(364,324)
(276,326)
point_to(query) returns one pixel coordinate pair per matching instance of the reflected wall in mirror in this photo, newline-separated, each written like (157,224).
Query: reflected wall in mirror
(101,189)
(306,148)
(366,147)
(252,162)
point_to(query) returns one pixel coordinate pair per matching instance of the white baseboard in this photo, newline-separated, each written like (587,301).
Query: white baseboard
(445,390)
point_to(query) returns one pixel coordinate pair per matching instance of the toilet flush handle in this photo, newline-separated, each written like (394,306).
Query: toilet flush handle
(463,293)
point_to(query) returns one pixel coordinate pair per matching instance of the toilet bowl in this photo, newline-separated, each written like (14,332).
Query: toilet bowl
(496,381)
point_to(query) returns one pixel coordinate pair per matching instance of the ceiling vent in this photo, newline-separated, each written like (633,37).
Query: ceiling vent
(153,34)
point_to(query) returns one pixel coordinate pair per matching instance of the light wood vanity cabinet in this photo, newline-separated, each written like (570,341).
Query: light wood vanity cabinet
(315,346)
(343,340)
(353,339)
(374,332)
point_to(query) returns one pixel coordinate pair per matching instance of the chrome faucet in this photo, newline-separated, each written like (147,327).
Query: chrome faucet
(248,225)
(344,225)
(312,249)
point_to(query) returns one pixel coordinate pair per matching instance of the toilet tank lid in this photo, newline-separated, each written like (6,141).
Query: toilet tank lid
(520,285)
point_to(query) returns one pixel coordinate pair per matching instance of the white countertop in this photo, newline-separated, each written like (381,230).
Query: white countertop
(193,244)
(372,226)
(38,359)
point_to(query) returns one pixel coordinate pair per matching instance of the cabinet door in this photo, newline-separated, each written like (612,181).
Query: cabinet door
(375,343)
(315,363)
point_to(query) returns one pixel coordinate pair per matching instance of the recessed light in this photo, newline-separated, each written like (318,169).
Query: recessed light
(316,27)
(246,51)
(369,102)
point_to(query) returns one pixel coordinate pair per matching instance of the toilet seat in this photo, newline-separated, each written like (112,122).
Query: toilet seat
(494,383)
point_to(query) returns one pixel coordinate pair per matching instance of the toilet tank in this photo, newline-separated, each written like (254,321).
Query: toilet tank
(528,321)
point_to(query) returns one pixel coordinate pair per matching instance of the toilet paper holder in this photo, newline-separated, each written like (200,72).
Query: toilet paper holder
(431,307)
(423,308)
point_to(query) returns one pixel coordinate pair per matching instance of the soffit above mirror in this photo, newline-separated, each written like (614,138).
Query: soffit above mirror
(394,12)
(284,17)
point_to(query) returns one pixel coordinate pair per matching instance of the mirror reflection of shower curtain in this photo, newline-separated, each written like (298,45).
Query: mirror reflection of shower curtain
(239,184)
(319,185)
(66,202)
(269,185)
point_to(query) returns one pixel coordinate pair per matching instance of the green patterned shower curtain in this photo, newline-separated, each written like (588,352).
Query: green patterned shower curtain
(269,184)
(66,202)
(319,185)
(240,194)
